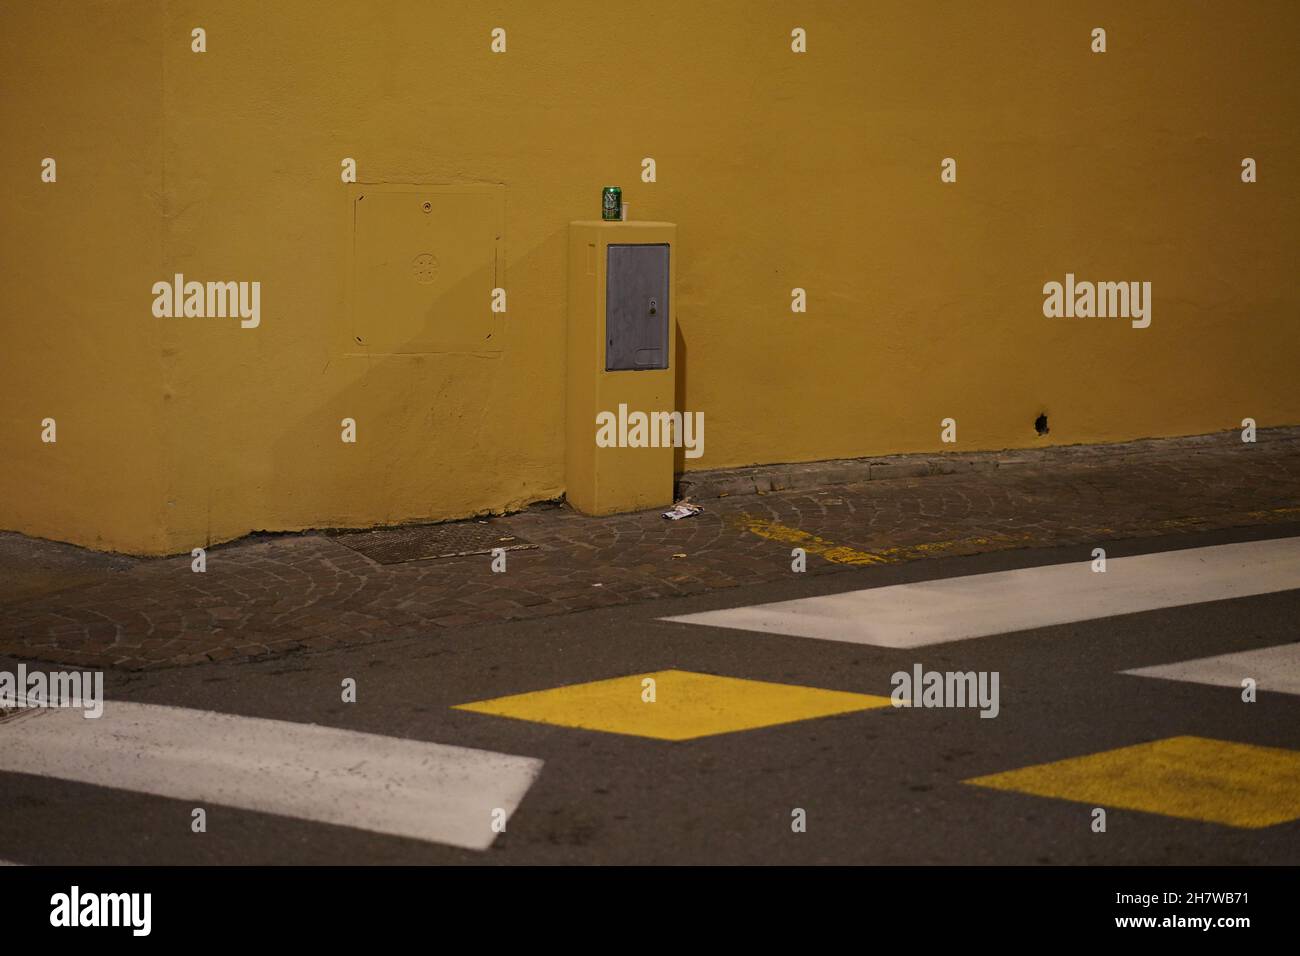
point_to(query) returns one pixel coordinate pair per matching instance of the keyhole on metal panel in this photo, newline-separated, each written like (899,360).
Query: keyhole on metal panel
(654,307)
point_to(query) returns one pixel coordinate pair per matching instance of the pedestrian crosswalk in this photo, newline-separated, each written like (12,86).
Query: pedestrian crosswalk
(409,788)
(460,796)
(1230,783)
(959,608)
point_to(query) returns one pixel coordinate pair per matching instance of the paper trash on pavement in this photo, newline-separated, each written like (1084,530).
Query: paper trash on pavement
(683,509)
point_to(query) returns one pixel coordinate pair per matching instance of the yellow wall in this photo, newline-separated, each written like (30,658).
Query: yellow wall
(79,83)
(819,171)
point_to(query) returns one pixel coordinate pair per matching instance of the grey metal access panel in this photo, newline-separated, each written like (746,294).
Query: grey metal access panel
(636,307)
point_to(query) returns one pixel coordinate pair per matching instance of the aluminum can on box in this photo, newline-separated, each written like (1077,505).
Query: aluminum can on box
(611,203)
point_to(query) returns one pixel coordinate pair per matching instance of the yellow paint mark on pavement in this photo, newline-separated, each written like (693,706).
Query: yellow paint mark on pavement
(1194,778)
(686,705)
(1274,513)
(842,554)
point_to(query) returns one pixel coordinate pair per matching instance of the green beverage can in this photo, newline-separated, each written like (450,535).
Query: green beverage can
(611,203)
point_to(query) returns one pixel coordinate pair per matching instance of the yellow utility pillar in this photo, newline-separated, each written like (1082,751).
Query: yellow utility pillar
(622,356)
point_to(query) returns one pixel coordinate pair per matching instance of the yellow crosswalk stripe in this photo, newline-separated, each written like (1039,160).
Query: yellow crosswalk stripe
(1195,778)
(675,705)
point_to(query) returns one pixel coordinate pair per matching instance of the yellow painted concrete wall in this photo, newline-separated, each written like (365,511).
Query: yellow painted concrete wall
(819,171)
(79,83)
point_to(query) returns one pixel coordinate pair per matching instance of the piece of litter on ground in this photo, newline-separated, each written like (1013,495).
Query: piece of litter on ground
(598,585)
(679,555)
(683,509)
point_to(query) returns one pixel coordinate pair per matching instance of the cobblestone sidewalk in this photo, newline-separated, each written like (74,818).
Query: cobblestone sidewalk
(272,595)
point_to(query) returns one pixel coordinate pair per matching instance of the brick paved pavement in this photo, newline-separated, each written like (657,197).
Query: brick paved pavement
(275,594)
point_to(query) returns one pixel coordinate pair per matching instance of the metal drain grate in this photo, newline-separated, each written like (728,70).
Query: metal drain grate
(423,542)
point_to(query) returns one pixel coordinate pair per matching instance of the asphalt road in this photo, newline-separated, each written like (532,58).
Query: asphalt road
(877,786)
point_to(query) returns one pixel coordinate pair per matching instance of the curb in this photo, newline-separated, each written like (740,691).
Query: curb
(761,479)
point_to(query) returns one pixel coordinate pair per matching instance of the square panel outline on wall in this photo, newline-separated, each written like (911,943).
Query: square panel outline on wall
(423,260)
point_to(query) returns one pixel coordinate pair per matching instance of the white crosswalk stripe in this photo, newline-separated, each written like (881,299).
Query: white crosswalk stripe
(408,788)
(952,609)
(1272,668)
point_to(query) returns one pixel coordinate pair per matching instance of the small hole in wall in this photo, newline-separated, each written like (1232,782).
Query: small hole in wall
(1040,424)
